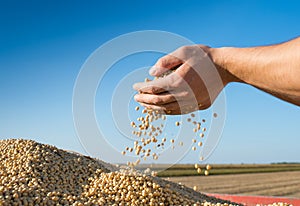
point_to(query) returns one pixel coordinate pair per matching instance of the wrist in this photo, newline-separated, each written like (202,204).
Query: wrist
(220,57)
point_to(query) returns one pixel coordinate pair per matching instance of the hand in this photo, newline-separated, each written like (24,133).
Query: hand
(194,85)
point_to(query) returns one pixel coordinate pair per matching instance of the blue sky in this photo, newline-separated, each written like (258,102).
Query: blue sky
(43,45)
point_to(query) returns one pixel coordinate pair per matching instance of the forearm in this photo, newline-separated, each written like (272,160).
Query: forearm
(274,69)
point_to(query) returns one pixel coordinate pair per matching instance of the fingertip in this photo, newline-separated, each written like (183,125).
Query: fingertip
(136,86)
(136,98)
(152,71)
(157,71)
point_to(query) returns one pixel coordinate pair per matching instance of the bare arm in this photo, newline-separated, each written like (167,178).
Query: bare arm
(274,69)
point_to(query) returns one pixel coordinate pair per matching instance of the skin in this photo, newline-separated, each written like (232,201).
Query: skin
(202,73)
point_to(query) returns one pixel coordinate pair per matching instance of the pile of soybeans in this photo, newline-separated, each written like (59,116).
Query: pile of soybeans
(38,174)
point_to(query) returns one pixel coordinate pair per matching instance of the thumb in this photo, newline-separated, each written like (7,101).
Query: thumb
(164,64)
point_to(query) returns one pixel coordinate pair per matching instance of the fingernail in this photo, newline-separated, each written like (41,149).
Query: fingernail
(152,71)
(135,86)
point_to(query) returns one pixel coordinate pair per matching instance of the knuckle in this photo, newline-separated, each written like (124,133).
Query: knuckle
(185,49)
(162,62)
(153,90)
(156,100)
(170,97)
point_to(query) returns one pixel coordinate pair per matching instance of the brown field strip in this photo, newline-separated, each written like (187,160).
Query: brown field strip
(285,184)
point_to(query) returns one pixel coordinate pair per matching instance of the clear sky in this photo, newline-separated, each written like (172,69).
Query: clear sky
(43,45)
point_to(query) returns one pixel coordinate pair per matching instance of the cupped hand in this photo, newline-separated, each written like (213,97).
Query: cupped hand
(194,85)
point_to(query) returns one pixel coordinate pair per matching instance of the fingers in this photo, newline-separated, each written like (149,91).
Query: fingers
(168,83)
(155,99)
(150,87)
(161,99)
(153,87)
(164,64)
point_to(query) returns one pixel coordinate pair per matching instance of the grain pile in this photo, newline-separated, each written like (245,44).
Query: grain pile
(37,174)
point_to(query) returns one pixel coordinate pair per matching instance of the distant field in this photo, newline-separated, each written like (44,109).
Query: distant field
(189,170)
(283,184)
(244,179)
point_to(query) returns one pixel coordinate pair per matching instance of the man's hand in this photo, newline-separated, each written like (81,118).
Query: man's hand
(202,72)
(195,84)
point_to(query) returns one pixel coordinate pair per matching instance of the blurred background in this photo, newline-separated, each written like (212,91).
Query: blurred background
(43,45)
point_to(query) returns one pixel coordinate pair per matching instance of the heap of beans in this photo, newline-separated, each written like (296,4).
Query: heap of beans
(37,174)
